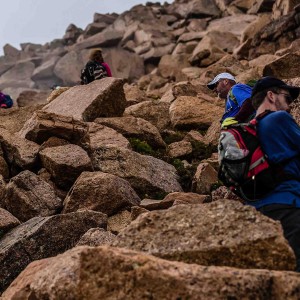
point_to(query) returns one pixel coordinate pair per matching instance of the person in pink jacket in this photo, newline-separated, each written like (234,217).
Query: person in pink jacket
(95,68)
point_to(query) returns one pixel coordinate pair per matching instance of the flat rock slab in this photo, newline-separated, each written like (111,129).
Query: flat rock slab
(86,273)
(100,98)
(42,237)
(222,233)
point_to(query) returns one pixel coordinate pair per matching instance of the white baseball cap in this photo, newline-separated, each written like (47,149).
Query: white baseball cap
(211,85)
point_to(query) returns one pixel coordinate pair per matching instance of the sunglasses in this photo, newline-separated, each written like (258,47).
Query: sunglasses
(288,98)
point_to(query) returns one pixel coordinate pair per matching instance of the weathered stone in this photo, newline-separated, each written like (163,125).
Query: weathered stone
(134,94)
(281,67)
(204,179)
(18,151)
(213,47)
(106,38)
(65,163)
(208,234)
(136,211)
(99,136)
(193,112)
(170,66)
(53,142)
(102,192)
(154,112)
(124,64)
(76,274)
(223,192)
(32,97)
(132,127)
(28,196)
(203,8)
(43,125)
(235,24)
(18,76)
(42,237)
(179,149)
(213,133)
(4,170)
(55,93)
(68,68)
(7,221)
(188,198)
(96,237)
(170,199)
(100,98)
(146,174)
(119,221)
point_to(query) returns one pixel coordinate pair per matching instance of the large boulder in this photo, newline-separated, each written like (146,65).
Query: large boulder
(42,237)
(222,233)
(67,68)
(146,174)
(107,272)
(100,98)
(102,192)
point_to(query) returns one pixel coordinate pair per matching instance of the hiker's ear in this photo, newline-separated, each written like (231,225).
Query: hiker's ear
(271,96)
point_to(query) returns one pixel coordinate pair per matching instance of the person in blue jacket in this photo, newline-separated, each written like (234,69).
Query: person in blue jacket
(237,96)
(279,135)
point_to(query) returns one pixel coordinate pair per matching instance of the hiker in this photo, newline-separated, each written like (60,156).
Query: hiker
(238,105)
(95,68)
(279,136)
(5,101)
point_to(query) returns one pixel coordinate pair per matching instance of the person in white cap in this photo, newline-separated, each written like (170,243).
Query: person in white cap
(237,109)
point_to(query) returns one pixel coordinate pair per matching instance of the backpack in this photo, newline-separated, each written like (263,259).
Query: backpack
(244,167)
(92,71)
(5,101)
(249,83)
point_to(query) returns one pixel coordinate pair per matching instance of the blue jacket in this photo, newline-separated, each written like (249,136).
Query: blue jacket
(235,98)
(279,135)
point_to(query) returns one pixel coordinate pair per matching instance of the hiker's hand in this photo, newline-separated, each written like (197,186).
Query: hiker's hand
(229,121)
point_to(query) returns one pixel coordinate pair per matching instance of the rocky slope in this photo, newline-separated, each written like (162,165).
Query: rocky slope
(126,167)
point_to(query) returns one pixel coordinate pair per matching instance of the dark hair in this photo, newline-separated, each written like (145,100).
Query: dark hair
(96,55)
(259,97)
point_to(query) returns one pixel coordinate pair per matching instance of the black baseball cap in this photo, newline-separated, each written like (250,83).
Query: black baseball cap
(269,82)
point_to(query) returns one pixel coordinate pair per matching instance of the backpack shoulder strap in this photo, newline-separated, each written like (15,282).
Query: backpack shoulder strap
(232,97)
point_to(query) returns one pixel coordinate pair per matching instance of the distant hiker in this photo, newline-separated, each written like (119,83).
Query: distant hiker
(279,136)
(5,101)
(95,68)
(238,106)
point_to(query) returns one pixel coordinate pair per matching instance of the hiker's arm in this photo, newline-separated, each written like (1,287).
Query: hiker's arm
(245,112)
(106,66)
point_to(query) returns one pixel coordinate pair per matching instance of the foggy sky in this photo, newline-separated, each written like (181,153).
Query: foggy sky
(41,21)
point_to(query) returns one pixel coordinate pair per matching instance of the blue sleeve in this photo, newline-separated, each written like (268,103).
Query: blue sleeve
(241,92)
(279,136)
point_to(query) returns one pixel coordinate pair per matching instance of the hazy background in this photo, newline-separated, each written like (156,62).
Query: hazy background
(41,21)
